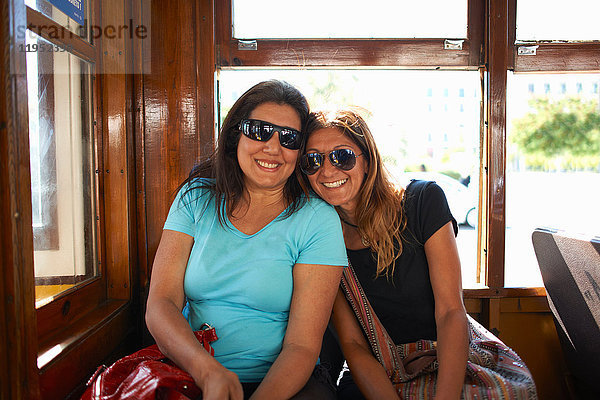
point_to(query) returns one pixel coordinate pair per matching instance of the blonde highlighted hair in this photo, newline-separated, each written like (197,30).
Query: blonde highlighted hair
(379,214)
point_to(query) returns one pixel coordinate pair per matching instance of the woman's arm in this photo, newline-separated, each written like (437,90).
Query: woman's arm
(450,314)
(170,329)
(312,299)
(368,374)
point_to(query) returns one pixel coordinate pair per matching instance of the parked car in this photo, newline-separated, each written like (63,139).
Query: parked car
(461,199)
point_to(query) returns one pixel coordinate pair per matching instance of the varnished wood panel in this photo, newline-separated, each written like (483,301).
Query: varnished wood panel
(420,53)
(18,343)
(140,10)
(205,45)
(581,57)
(473,306)
(496,139)
(141,15)
(476,31)
(524,305)
(54,317)
(503,292)
(223,29)
(533,336)
(130,121)
(93,341)
(171,110)
(512,32)
(114,69)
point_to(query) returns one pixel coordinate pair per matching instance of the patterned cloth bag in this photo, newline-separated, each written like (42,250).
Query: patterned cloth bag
(494,371)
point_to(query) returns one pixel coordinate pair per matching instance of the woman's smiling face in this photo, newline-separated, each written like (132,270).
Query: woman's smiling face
(268,165)
(334,185)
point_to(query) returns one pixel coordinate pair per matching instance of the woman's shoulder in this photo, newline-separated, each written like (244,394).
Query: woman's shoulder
(194,190)
(418,186)
(197,186)
(316,203)
(313,206)
(200,183)
(423,190)
(426,208)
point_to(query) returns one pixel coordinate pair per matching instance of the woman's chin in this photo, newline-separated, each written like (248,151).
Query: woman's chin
(334,199)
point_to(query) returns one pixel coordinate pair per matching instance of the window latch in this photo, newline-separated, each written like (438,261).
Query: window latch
(450,44)
(527,50)
(247,45)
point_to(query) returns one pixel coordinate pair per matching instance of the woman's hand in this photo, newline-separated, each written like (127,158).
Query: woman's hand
(218,383)
(368,374)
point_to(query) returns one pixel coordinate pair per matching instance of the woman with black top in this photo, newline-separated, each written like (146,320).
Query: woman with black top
(402,246)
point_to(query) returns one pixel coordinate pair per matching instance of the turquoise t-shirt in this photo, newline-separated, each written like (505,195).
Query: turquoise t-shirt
(242,284)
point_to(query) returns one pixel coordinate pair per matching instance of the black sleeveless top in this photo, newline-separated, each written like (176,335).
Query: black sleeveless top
(405,303)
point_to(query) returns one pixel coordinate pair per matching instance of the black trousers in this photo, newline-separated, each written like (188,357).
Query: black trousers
(318,387)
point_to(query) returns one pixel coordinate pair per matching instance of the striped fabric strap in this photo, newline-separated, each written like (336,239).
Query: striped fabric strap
(493,370)
(381,343)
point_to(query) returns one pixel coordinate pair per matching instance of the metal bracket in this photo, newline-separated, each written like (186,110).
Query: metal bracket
(527,50)
(247,45)
(450,44)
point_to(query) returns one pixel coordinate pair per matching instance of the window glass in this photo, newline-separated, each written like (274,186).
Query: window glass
(62,168)
(558,20)
(553,164)
(405,112)
(72,15)
(256,19)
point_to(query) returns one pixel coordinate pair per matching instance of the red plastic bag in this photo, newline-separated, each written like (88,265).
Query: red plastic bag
(147,375)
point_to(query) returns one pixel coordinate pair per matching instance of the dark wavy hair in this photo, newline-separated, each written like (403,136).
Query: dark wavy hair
(227,178)
(379,213)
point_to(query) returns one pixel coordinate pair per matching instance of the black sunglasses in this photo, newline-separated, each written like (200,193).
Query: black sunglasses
(262,131)
(344,159)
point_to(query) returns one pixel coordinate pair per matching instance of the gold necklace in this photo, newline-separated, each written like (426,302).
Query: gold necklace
(363,239)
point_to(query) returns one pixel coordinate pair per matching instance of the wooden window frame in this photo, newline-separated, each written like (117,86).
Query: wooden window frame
(61,313)
(374,53)
(421,53)
(490,47)
(95,316)
(551,56)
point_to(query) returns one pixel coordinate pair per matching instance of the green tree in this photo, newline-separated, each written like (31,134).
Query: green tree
(335,91)
(559,130)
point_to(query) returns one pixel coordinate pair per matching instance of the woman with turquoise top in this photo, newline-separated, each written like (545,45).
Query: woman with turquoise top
(249,250)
